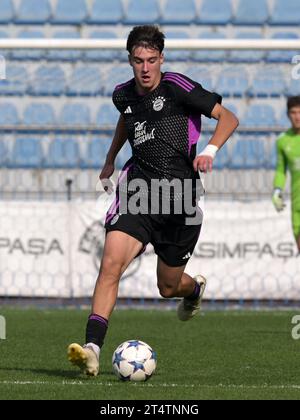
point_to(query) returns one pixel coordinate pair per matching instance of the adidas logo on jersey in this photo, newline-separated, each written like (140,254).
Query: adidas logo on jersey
(187,256)
(128,110)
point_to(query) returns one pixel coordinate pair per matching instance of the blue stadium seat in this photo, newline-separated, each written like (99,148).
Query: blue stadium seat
(268,83)
(271,155)
(68,12)
(233,82)
(8,115)
(107,116)
(27,153)
(65,55)
(200,75)
(33,12)
(96,152)
(48,81)
(116,76)
(63,153)
(285,12)
(85,81)
(142,12)
(293,88)
(3,154)
(215,12)
(222,158)
(106,12)
(259,116)
(102,55)
(248,153)
(210,55)
(30,54)
(41,115)
(282,56)
(75,115)
(254,12)
(5,53)
(237,56)
(177,55)
(7,12)
(283,120)
(179,12)
(16,81)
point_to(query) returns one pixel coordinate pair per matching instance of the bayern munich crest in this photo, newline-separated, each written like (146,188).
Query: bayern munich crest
(158,103)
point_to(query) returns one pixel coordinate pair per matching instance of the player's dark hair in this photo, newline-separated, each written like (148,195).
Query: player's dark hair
(292,102)
(147,36)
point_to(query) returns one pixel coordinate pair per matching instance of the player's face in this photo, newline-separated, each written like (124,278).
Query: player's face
(146,64)
(294,116)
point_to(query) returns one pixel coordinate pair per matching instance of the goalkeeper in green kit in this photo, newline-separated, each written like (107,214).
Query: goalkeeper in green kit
(288,158)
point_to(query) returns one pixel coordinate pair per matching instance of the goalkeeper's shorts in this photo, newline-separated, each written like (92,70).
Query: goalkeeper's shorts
(296,223)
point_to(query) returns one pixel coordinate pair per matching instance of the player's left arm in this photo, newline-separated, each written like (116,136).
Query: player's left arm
(227,124)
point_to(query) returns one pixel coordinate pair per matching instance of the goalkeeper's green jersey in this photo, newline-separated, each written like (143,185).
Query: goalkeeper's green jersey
(288,155)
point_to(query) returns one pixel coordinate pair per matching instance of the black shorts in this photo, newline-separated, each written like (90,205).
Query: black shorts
(173,240)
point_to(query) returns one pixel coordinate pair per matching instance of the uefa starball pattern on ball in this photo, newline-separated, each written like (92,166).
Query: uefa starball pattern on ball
(134,360)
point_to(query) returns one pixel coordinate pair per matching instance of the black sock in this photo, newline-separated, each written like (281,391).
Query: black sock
(195,293)
(96,330)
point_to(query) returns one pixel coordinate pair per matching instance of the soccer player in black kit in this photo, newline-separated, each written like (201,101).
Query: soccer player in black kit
(160,115)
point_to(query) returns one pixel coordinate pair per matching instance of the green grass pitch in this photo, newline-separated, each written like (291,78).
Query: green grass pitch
(218,355)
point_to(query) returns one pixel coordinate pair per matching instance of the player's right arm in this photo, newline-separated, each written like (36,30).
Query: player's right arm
(280,178)
(118,142)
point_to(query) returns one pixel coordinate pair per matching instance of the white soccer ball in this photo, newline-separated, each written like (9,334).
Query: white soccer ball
(134,360)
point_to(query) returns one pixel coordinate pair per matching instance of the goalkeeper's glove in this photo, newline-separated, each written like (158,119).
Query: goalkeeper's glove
(277,200)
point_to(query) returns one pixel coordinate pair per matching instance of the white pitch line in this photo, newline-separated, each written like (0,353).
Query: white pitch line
(149,385)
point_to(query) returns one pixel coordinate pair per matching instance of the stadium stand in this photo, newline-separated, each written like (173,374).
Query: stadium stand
(77,115)
(85,81)
(63,55)
(49,80)
(63,153)
(282,56)
(236,56)
(142,12)
(27,153)
(107,116)
(207,56)
(178,12)
(3,154)
(103,55)
(40,115)
(259,116)
(16,82)
(215,12)
(29,54)
(106,12)
(254,12)
(268,84)
(95,154)
(7,12)
(233,82)
(248,153)
(81,82)
(70,13)
(8,115)
(33,12)
(285,12)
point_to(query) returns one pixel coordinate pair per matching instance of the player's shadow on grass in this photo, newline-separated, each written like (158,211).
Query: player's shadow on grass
(66,374)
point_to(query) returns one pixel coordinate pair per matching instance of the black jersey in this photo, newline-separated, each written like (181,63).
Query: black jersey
(164,126)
